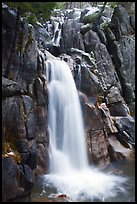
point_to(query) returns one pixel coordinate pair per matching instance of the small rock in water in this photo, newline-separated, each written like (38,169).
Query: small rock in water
(63,196)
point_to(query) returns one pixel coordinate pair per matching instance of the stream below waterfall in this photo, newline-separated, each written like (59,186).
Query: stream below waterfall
(43,193)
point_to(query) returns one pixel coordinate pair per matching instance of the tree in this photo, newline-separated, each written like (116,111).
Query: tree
(33,11)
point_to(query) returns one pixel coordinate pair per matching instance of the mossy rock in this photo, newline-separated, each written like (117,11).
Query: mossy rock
(91,18)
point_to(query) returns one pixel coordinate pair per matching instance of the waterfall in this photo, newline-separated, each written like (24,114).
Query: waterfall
(57,33)
(69,171)
(67,147)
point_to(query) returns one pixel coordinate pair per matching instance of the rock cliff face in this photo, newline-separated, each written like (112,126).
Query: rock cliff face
(24,108)
(101,55)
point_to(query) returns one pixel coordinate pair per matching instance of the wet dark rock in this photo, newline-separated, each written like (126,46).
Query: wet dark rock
(132,21)
(30,122)
(102,36)
(114,96)
(126,125)
(115,103)
(85,28)
(16,132)
(93,82)
(121,21)
(118,109)
(122,59)
(10,179)
(98,148)
(127,48)
(118,151)
(39,92)
(27,178)
(106,72)
(70,36)
(91,112)
(8,25)
(90,40)
(53,49)
(115,155)
(74,14)
(43,159)
(12,173)
(10,88)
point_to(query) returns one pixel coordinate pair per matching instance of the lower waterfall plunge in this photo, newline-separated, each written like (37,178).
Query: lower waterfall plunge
(70,173)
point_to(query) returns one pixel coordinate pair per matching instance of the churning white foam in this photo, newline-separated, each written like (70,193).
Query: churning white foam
(87,184)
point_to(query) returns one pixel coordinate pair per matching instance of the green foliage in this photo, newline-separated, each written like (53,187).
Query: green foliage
(33,11)
(91,18)
(23,7)
(60,5)
(43,10)
(112,4)
(115,4)
(31,18)
(129,6)
(104,25)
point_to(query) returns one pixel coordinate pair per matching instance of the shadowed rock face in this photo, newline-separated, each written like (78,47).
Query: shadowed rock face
(12,189)
(24,110)
(102,62)
(25,130)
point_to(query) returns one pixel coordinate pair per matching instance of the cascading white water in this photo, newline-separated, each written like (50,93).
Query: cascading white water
(70,172)
(65,120)
(57,33)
